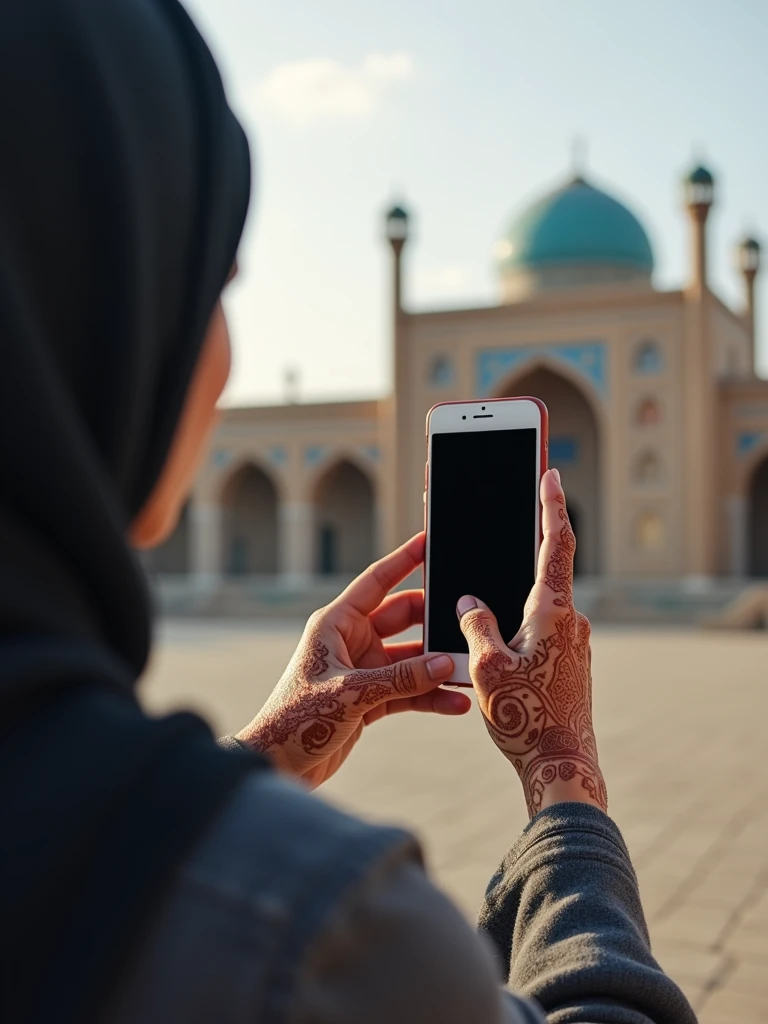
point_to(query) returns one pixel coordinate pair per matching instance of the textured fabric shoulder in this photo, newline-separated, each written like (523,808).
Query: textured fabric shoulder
(230,942)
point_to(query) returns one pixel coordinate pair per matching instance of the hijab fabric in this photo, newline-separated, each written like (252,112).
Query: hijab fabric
(124,185)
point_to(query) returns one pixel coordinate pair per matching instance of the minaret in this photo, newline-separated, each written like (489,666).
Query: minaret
(700,408)
(396,221)
(749,263)
(699,187)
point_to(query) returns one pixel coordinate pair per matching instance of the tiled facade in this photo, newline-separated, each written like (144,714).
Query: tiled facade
(658,425)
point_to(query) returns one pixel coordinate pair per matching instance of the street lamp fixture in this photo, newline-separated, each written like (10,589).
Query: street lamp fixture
(397,224)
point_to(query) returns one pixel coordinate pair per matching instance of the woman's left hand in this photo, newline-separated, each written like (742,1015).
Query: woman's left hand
(344,677)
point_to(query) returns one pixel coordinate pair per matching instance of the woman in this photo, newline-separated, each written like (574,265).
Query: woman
(147,874)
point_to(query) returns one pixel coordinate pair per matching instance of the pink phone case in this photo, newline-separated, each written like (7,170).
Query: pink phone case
(543,463)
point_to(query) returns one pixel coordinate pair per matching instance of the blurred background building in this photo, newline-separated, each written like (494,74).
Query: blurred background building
(658,423)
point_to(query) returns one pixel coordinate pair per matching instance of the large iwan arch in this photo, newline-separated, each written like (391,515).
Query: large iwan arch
(249,506)
(758,520)
(344,520)
(574,450)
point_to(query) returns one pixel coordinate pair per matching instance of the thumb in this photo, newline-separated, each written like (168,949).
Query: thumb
(554,578)
(481,630)
(402,679)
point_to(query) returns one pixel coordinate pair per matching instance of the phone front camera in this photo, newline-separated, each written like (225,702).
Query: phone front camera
(463,417)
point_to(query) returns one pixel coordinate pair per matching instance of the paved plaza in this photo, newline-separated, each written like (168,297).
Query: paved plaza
(682,725)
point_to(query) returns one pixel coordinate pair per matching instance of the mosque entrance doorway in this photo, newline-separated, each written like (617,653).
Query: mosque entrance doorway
(758,521)
(344,521)
(249,508)
(574,450)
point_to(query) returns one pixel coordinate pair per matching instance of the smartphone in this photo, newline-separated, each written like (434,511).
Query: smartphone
(485,460)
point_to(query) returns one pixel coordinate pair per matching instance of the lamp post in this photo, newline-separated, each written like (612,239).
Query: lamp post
(397,432)
(748,255)
(699,194)
(700,407)
(397,233)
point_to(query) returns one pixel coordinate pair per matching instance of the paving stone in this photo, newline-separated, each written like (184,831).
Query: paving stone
(700,965)
(751,977)
(749,940)
(691,925)
(727,1006)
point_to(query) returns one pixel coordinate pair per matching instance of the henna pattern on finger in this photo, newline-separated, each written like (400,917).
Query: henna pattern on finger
(559,575)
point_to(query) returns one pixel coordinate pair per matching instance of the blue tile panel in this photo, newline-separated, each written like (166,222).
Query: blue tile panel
(563,450)
(315,454)
(221,458)
(278,456)
(588,358)
(747,441)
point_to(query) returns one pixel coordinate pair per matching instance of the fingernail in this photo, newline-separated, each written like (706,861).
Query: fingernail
(465,604)
(556,475)
(440,666)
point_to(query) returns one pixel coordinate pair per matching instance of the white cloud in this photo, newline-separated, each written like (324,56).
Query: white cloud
(440,282)
(320,87)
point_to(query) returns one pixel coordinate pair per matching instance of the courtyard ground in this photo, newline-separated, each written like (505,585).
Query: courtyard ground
(682,724)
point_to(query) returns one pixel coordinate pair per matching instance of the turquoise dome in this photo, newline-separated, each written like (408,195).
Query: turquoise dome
(575,225)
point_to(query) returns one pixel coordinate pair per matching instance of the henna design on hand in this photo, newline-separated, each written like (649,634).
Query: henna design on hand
(538,705)
(310,711)
(560,569)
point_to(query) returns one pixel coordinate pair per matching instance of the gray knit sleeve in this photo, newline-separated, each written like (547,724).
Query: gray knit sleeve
(564,914)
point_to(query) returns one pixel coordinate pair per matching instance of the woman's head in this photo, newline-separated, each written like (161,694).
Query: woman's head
(159,515)
(122,198)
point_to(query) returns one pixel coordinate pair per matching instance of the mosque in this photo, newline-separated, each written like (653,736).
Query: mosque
(658,423)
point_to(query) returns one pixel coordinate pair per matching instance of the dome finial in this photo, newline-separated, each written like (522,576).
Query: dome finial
(578,157)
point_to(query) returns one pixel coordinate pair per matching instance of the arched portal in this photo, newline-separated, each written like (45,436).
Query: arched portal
(249,522)
(344,521)
(574,449)
(172,557)
(758,520)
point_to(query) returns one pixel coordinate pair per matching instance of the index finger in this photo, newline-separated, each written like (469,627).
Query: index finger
(367,592)
(554,578)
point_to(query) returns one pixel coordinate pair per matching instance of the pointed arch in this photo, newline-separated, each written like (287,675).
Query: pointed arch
(344,504)
(249,503)
(647,468)
(575,437)
(757,519)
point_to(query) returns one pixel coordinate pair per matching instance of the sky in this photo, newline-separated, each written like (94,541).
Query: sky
(465,110)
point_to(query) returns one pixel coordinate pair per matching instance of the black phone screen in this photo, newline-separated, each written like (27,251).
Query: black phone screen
(482,541)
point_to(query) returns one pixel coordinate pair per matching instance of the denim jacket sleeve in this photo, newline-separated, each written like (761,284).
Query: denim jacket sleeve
(291,912)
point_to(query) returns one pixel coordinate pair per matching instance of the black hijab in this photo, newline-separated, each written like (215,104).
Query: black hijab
(124,184)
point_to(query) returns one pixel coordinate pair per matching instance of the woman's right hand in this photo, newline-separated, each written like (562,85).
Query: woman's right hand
(536,693)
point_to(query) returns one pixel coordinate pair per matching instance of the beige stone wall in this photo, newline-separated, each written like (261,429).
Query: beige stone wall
(743,450)
(672,413)
(732,352)
(299,448)
(645,500)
